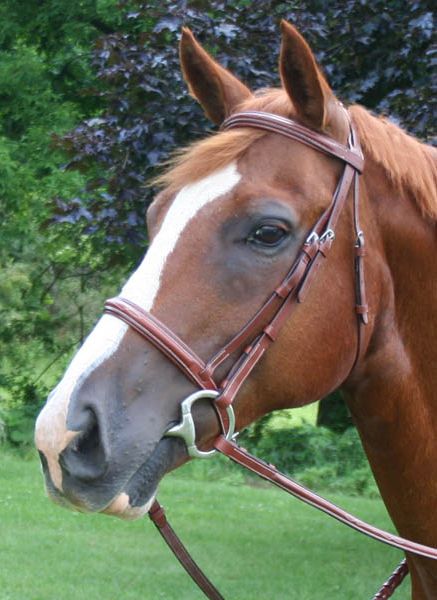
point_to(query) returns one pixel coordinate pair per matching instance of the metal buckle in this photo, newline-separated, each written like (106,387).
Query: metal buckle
(329,235)
(360,239)
(187,430)
(313,238)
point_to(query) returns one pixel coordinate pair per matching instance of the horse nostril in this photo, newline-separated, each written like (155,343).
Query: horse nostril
(87,442)
(85,458)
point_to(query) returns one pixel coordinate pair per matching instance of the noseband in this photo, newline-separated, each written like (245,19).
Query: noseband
(248,346)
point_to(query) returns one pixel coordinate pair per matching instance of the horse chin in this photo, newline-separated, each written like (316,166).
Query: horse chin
(140,491)
(121,507)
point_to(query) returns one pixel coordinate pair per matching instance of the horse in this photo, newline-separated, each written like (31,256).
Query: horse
(233,215)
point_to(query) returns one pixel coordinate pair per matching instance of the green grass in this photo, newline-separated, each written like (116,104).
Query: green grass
(254,542)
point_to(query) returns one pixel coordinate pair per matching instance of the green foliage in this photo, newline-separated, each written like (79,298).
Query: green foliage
(61,33)
(20,402)
(45,271)
(333,413)
(316,456)
(19,424)
(3,437)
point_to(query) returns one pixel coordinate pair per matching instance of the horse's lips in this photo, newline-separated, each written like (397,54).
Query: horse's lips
(139,493)
(134,498)
(121,507)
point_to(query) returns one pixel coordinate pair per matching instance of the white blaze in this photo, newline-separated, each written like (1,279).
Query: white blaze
(142,288)
(143,285)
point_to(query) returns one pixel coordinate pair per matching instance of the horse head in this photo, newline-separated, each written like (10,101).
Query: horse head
(232,218)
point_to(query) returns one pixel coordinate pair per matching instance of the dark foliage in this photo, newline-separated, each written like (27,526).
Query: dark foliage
(333,413)
(61,34)
(375,53)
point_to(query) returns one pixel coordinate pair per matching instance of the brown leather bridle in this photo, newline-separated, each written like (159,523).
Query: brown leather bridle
(248,346)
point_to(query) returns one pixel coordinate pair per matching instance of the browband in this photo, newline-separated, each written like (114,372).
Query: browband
(295,131)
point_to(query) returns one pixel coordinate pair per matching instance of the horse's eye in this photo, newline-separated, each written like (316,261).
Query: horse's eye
(267,235)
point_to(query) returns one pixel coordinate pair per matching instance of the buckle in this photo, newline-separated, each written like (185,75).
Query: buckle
(359,242)
(327,236)
(187,430)
(313,238)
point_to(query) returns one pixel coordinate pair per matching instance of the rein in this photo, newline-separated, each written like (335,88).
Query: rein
(252,341)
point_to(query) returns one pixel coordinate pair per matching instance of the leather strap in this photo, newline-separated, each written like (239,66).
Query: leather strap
(295,131)
(270,473)
(155,332)
(394,581)
(157,515)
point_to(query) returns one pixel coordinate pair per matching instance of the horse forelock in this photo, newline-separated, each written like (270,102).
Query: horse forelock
(201,158)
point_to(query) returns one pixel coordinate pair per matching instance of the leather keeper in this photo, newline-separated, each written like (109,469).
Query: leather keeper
(325,246)
(270,332)
(361,309)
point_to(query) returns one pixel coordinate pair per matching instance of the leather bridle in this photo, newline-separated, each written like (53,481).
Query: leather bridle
(262,329)
(248,346)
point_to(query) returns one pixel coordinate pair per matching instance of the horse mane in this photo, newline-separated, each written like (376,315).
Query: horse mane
(410,165)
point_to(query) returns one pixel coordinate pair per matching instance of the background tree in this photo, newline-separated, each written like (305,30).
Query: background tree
(45,65)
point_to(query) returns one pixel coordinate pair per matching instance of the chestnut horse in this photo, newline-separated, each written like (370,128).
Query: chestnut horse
(234,213)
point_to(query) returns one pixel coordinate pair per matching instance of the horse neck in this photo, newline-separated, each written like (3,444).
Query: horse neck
(392,396)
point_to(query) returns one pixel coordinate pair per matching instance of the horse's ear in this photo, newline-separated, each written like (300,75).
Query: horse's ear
(215,88)
(302,78)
